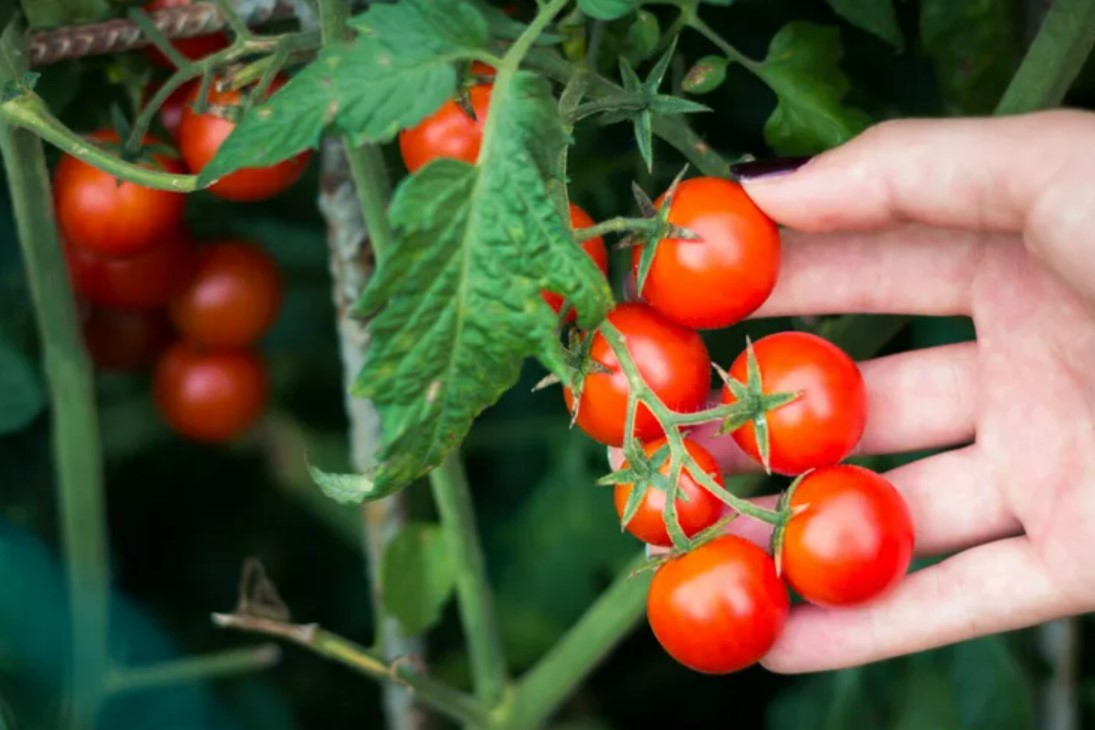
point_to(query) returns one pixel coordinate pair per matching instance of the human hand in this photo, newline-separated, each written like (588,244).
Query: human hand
(995,219)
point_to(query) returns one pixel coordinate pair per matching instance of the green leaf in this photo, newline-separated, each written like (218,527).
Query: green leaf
(976,49)
(810,116)
(608,9)
(21,394)
(417,577)
(457,300)
(360,88)
(347,488)
(873,16)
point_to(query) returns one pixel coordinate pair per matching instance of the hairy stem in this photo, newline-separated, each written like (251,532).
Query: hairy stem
(76,450)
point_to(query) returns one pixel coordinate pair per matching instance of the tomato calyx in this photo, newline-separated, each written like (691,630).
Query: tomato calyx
(712,533)
(643,472)
(649,241)
(754,403)
(579,362)
(786,513)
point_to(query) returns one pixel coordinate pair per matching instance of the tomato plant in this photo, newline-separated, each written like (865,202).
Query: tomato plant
(697,508)
(448,132)
(727,271)
(595,247)
(233,297)
(147,280)
(852,539)
(98,212)
(827,420)
(719,608)
(671,359)
(210,395)
(201,135)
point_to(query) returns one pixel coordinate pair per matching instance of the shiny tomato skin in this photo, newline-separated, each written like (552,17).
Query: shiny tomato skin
(726,274)
(147,280)
(99,214)
(201,135)
(191,49)
(594,247)
(853,540)
(825,423)
(718,608)
(210,395)
(448,132)
(232,299)
(124,340)
(701,510)
(672,360)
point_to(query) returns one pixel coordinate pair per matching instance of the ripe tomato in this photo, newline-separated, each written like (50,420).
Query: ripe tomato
(171,110)
(210,395)
(145,281)
(701,510)
(825,423)
(191,48)
(595,247)
(234,297)
(478,68)
(448,132)
(853,540)
(97,212)
(201,135)
(728,272)
(719,608)
(124,340)
(672,360)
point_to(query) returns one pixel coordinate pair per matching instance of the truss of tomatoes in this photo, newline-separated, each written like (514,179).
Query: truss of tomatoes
(151,296)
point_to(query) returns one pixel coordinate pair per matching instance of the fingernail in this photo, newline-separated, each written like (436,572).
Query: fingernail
(767,169)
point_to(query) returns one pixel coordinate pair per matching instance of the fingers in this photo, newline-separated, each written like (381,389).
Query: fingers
(906,270)
(992,588)
(954,502)
(975,174)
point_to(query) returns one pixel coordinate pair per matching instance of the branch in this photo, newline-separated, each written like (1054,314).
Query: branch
(191,669)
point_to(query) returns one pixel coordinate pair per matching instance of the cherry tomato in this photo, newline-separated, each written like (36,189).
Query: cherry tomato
(826,422)
(234,297)
(101,214)
(595,247)
(201,135)
(672,360)
(124,340)
(479,68)
(719,608)
(191,49)
(210,395)
(853,539)
(145,281)
(171,110)
(724,275)
(701,510)
(448,132)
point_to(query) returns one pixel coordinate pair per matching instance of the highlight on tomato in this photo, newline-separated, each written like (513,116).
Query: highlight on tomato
(594,248)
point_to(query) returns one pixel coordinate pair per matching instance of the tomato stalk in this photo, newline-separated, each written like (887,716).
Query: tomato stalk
(220,664)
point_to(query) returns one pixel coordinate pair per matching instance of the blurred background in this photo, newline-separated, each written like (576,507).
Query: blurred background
(183,517)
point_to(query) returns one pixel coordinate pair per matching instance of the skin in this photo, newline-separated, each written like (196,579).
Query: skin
(931,217)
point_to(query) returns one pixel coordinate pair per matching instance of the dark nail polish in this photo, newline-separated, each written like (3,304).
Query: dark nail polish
(757,169)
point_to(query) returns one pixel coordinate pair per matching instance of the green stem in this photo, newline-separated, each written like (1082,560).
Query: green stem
(193,669)
(439,696)
(371,182)
(620,224)
(697,24)
(1054,58)
(532,32)
(569,662)
(77,455)
(477,612)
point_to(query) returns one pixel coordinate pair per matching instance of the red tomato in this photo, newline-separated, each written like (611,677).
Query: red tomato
(191,49)
(719,608)
(201,135)
(171,110)
(234,297)
(728,272)
(147,280)
(672,360)
(595,247)
(826,422)
(701,510)
(853,540)
(97,212)
(448,132)
(124,340)
(479,68)
(210,395)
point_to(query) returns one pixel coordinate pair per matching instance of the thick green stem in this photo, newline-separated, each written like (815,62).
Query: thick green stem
(193,669)
(371,183)
(621,224)
(477,612)
(581,649)
(75,427)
